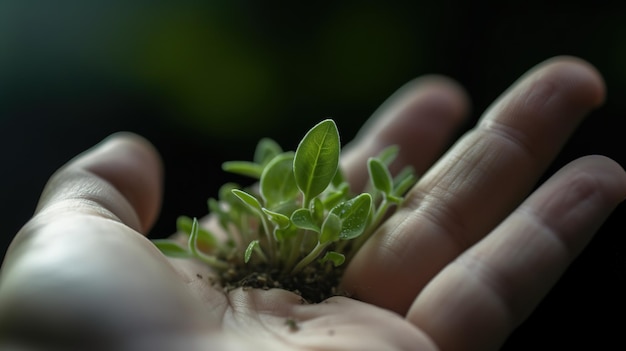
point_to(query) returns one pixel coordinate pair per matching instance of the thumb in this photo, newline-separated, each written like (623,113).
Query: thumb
(119,178)
(79,274)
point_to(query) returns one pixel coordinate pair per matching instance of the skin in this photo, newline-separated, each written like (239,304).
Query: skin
(472,251)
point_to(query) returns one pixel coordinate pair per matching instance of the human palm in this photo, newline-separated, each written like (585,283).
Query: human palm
(457,267)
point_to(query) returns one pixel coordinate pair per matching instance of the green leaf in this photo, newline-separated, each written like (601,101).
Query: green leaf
(335,197)
(388,154)
(184,224)
(216,209)
(302,218)
(266,150)
(286,208)
(225,191)
(354,215)
(317,210)
(335,257)
(404,180)
(317,159)
(380,176)
(279,219)
(249,249)
(338,179)
(287,233)
(249,200)
(192,244)
(331,229)
(205,239)
(248,169)
(226,196)
(277,181)
(171,248)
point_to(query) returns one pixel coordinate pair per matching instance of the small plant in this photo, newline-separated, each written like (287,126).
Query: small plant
(300,224)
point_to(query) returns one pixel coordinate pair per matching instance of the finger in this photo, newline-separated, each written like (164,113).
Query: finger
(120,177)
(421,118)
(78,271)
(476,184)
(482,296)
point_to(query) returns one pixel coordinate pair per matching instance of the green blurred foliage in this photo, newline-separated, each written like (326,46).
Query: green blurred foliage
(227,69)
(244,69)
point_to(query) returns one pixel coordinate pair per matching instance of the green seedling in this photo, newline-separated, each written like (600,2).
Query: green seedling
(300,224)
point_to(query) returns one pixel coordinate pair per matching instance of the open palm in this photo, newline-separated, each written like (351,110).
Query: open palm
(462,262)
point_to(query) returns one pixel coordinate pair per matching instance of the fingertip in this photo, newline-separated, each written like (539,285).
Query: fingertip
(443,92)
(584,79)
(437,96)
(608,172)
(420,117)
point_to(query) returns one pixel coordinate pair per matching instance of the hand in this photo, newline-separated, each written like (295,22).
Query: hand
(459,266)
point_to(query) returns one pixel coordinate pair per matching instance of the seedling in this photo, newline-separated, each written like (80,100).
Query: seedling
(300,224)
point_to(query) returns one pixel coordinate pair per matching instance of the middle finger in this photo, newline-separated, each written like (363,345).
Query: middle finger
(476,184)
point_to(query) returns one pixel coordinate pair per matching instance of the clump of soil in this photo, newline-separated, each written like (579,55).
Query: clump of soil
(314,283)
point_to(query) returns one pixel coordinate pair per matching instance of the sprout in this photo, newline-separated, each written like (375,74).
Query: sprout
(300,225)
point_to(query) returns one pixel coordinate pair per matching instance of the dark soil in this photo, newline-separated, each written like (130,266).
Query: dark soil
(314,284)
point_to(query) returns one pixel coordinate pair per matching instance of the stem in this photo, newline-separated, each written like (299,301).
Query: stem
(260,253)
(210,260)
(305,201)
(380,212)
(310,257)
(270,238)
(296,246)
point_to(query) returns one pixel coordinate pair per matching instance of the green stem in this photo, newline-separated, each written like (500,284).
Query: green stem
(296,247)
(270,238)
(319,248)
(261,254)
(208,259)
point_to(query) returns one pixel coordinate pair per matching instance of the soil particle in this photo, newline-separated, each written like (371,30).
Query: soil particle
(292,324)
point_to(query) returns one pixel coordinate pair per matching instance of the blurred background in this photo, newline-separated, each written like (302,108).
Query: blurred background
(204,80)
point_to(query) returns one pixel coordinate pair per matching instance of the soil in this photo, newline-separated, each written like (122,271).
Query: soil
(314,284)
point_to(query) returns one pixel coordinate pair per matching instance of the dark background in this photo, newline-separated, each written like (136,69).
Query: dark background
(205,80)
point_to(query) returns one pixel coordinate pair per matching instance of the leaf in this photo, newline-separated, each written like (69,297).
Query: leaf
(354,215)
(335,197)
(171,248)
(317,210)
(225,191)
(192,243)
(330,229)
(404,180)
(279,219)
(249,249)
(338,179)
(283,234)
(265,151)
(286,208)
(206,241)
(248,169)
(277,181)
(184,224)
(380,176)
(226,196)
(317,159)
(216,209)
(302,218)
(248,200)
(388,154)
(335,257)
